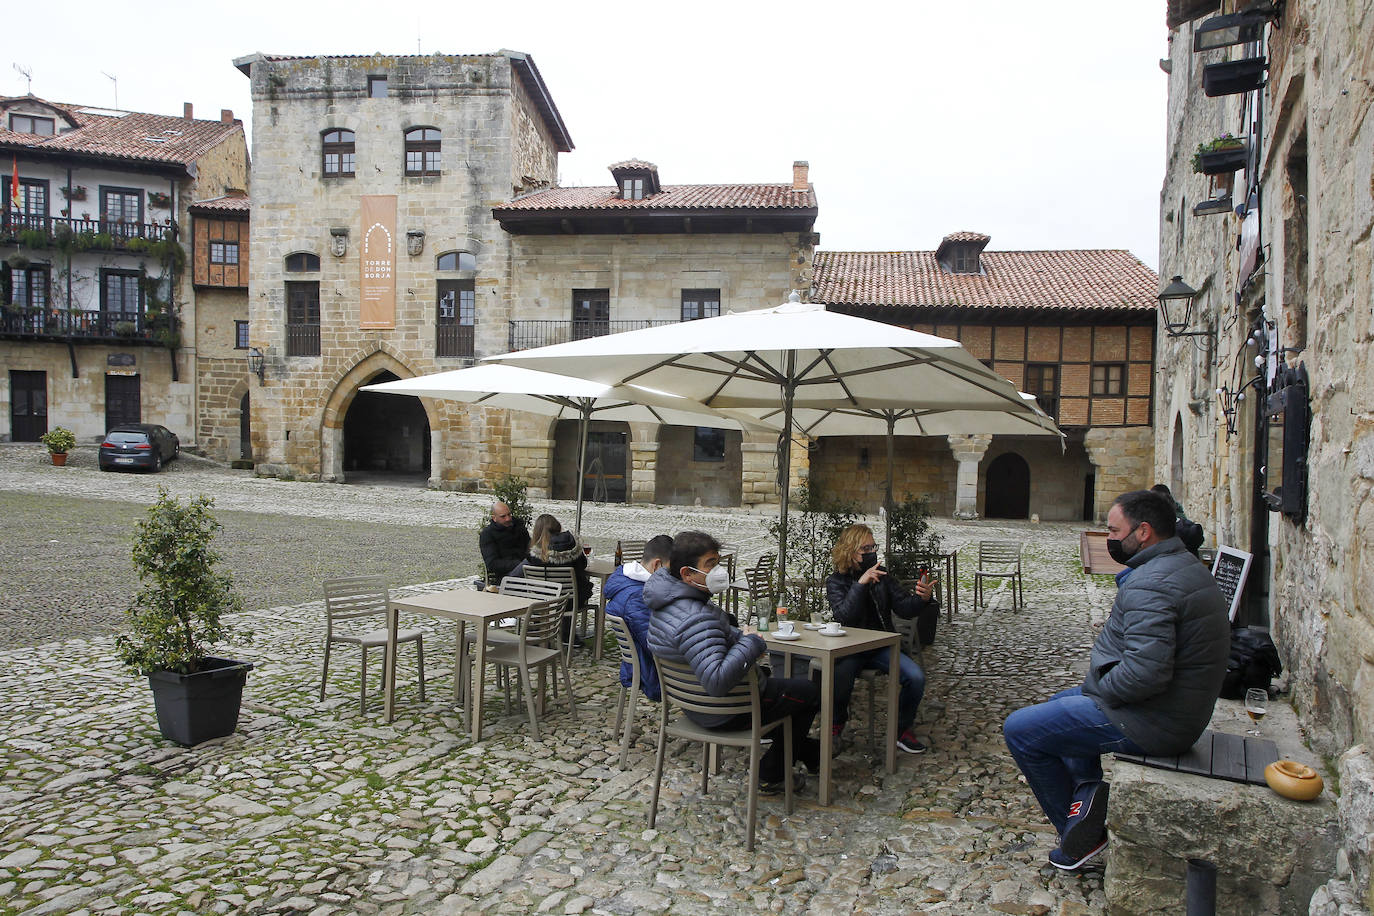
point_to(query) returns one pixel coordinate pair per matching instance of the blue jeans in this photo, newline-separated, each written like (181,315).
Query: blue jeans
(911,684)
(1059,745)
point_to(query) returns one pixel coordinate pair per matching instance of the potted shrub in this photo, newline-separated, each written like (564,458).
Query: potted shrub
(59,441)
(1230,77)
(177,615)
(1220,155)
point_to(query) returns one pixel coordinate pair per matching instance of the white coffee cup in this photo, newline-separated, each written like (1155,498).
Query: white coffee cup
(831,627)
(786,628)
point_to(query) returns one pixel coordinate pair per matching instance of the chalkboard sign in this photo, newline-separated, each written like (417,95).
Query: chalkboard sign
(1230,568)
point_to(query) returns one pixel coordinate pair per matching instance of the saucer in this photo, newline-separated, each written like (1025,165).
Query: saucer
(831,632)
(795,635)
(812,626)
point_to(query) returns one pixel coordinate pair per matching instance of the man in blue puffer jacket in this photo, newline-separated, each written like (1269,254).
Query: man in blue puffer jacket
(1153,678)
(686,627)
(625,599)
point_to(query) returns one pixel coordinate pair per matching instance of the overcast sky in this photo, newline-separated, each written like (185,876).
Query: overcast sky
(1041,124)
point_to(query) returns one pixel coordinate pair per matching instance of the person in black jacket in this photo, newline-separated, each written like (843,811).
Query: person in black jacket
(550,545)
(504,543)
(1187,530)
(862,594)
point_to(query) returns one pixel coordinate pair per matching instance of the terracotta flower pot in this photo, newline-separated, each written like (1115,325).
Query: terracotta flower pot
(58,458)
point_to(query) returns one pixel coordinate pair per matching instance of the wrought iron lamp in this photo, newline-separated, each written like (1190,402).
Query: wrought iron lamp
(257,363)
(1176,308)
(1230,29)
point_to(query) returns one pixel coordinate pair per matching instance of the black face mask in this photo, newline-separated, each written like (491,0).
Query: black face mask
(867,561)
(1117,552)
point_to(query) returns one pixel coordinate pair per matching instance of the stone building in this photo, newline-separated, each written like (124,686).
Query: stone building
(416,226)
(1074,328)
(98,320)
(1277,244)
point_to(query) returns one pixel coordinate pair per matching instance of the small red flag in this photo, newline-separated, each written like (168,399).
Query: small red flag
(15,203)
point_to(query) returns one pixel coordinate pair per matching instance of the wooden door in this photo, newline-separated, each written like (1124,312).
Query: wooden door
(28,405)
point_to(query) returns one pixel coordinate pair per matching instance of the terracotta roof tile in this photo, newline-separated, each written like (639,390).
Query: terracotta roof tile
(968,237)
(226,204)
(131,135)
(672,197)
(633,164)
(1067,279)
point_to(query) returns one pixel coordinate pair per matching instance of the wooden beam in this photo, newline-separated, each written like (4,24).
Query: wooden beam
(567,226)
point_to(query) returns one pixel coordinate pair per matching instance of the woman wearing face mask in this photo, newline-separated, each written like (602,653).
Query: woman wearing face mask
(862,594)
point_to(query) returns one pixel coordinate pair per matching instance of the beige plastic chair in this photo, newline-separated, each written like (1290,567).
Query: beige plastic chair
(503,633)
(755,584)
(625,640)
(682,687)
(625,551)
(354,598)
(537,646)
(566,577)
(999,560)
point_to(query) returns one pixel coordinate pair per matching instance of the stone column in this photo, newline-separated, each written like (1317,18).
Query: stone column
(532,459)
(968,451)
(643,479)
(758,476)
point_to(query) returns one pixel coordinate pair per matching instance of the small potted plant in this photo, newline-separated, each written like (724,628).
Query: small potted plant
(159,200)
(1220,155)
(59,441)
(177,615)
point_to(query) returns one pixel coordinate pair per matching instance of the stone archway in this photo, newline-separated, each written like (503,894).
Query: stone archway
(385,435)
(377,366)
(1007,487)
(1176,459)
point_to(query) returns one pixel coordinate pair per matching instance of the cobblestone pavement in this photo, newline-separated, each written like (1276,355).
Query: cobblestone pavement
(315,807)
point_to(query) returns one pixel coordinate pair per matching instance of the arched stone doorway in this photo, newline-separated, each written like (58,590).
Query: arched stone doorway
(385,435)
(1007,487)
(1176,459)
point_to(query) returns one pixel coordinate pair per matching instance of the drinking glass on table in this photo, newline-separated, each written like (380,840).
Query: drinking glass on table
(586,550)
(1256,705)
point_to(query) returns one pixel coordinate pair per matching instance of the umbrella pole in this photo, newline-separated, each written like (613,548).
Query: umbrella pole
(785,461)
(887,502)
(583,421)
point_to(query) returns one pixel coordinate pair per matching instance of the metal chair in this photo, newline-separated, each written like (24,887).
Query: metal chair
(354,598)
(537,645)
(566,577)
(756,583)
(682,687)
(625,551)
(999,560)
(625,640)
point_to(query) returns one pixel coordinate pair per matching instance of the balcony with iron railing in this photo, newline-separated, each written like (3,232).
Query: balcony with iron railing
(78,325)
(528,334)
(69,234)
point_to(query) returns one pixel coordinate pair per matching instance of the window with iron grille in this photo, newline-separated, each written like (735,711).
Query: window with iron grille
(302,318)
(591,313)
(1109,378)
(302,262)
(28,289)
(338,148)
(1042,380)
(30,124)
(224,252)
(240,335)
(423,151)
(700,303)
(456,319)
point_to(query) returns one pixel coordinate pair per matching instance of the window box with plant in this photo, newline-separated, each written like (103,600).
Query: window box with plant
(1220,155)
(75,192)
(59,441)
(159,200)
(1230,77)
(177,615)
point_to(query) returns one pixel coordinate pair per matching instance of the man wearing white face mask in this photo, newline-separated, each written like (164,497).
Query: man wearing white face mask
(687,627)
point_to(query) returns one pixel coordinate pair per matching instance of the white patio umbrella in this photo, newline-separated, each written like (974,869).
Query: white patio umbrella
(793,355)
(516,388)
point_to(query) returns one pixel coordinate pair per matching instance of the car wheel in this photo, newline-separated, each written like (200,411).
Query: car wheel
(157,462)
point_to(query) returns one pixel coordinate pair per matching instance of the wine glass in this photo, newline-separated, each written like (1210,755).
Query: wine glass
(1256,705)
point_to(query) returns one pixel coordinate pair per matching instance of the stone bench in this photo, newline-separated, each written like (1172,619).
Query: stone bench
(1271,853)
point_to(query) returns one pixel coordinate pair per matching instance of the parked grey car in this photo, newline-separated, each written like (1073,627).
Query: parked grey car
(138,445)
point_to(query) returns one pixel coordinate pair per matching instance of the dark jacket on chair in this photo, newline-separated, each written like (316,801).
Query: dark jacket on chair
(1157,666)
(565,550)
(684,626)
(871,606)
(503,549)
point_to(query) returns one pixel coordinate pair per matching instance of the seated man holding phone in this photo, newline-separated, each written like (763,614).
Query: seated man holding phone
(862,594)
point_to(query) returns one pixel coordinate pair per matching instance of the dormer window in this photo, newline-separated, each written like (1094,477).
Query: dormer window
(965,260)
(960,252)
(32,124)
(636,179)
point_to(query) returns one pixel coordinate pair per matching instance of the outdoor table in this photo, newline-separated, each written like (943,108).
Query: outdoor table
(599,568)
(465,606)
(825,649)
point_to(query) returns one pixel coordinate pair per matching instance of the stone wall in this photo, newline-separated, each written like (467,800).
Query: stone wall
(684,481)
(1122,459)
(853,470)
(1056,476)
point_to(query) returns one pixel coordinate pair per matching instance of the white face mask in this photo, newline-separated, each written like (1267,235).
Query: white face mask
(717,580)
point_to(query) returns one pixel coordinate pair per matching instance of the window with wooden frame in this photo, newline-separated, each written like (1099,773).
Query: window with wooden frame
(223,252)
(32,124)
(456,319)
(121,298)
(700,303)
(302,262)
(121,205)
(338,147)
(591,313)
(632,188)
(1109,379)
(456,260)
(965,260)
(376,87)
(302,318)
(240,335)
(1042,380)
(423,155)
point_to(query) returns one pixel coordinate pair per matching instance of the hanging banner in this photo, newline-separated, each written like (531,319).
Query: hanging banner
(378,303)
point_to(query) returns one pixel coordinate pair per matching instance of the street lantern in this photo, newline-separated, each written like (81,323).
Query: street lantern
(1176,308)
(257,363)
(1227,30)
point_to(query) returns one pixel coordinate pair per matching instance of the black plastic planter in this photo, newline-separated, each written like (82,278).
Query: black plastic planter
(1221,161)
(1232,76)
(192,708)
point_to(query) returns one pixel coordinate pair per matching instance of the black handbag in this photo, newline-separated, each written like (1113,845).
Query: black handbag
(1254,662)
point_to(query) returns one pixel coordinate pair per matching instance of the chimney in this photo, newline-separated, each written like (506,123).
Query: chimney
(799,175)
(186,111)
(226,116)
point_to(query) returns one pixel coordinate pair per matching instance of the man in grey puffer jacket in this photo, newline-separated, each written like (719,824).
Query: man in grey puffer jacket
(686,627)
(1153,678)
